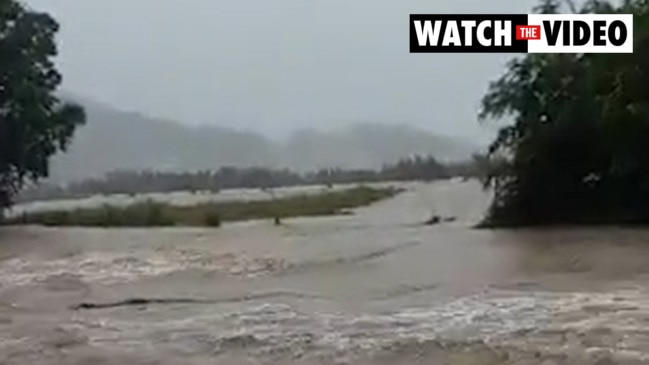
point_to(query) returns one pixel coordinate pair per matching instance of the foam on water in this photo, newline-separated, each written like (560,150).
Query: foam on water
(109,268)
(527,321)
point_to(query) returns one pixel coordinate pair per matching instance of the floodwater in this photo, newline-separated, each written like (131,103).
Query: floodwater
(372,288)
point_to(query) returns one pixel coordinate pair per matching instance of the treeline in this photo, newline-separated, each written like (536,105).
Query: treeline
(422,168)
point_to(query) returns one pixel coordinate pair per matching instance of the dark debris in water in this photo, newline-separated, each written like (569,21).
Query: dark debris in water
(138,302)
(436,219)
(165,301)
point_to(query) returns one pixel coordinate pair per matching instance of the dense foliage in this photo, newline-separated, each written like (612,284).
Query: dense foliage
(34,123)
(577,150)
(139,182)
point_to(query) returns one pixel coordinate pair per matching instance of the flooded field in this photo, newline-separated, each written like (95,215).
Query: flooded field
(184,198)
(373,288)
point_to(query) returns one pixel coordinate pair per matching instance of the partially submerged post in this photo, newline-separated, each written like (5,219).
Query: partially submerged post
(276,219)
(433,220)
(436,219)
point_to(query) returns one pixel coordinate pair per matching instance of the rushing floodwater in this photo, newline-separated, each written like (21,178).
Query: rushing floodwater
(373,288)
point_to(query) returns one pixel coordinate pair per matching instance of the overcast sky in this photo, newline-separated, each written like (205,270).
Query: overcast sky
(274,66)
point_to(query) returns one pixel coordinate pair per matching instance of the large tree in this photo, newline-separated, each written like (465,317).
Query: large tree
(34,123)
(577,149)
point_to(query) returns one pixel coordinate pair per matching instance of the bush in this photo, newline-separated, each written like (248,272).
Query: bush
(213,218)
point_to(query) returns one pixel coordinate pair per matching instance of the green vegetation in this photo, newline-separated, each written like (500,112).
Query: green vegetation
(152,214)
(34,124)
(577,151)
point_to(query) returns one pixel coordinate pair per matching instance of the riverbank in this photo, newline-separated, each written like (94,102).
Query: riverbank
(157,214)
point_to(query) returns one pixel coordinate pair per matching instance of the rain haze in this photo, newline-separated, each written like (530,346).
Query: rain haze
(274,66)
(283,182)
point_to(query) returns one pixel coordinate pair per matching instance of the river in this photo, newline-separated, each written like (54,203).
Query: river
(376,287)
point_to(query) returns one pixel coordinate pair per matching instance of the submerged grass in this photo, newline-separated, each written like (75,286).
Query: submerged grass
(154,214)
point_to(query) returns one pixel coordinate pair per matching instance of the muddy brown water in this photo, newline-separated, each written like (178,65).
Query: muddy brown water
(372,288)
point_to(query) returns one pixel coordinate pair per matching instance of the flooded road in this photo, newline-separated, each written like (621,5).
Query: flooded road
(372,288)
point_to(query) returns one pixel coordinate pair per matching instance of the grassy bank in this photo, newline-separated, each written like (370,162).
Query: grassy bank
(153,214)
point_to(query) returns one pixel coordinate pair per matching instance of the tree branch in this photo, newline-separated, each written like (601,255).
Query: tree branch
(572,6)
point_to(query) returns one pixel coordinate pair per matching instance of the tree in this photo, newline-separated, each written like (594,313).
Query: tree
(34,123)
(576,151)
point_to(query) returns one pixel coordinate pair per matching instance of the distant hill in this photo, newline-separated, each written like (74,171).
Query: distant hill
(114,139)
(368,145)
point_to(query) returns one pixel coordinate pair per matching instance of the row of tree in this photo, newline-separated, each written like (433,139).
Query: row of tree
(139,182)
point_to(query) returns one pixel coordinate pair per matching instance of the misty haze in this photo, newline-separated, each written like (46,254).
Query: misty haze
(299,85)
(284,182)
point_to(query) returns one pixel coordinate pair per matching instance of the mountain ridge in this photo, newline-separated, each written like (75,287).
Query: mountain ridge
(113,139)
